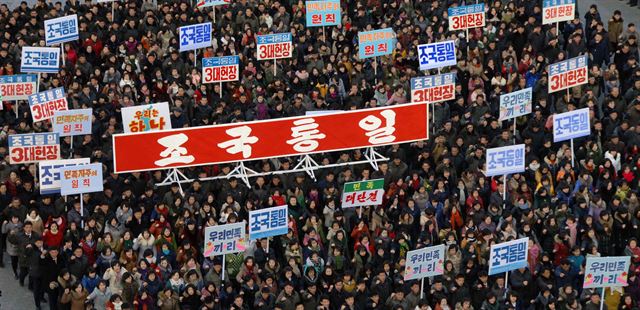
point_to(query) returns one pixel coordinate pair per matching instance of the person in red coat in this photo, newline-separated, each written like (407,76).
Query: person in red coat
(89,245)
(52,236)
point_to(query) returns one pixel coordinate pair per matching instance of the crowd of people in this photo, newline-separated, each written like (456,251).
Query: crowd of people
(137,245)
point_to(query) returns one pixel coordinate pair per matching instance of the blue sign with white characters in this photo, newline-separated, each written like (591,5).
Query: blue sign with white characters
(40,59)
(508,256)
(50,173)
(61,29)
(570,125)
(268,222)
(515,104)
(505,160)
(195,36)
(437,55)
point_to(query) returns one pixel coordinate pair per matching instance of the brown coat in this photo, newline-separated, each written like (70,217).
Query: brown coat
(76,299)
(615,29)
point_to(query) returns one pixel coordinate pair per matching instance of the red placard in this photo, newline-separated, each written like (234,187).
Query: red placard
(271,138)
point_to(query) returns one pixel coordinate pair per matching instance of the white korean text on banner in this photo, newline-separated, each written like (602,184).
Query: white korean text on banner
(606,271)
(40,60)
(268,222)
(50,173)
(568,73)
(437,55)
(195,36)
(206,3)
(515,104)
(363,193)
(72,122)
(433,88)
(150,117)
(44,104)
(61,29)
(224,239)
(323,13)
(555,11)
(465,17)
(376,43)
(505,160)
(275,46)
(425,262)
(571,125)
(34,147)
(17,87)
(508,256)
(220,69)
(81,179)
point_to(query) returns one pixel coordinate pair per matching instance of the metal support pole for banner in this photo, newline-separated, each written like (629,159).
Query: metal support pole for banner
(242,172)
(275,65)
(504,191)
(572,155)
(220,89)
(422,288)
(602,298)
(38,83)
(514,129)
(375,71)
(214,15)
(195,58)
(506,283)
(307,164)
(324,35)
(113,11)
(359,212)
(373,157)
(81,211)
(467,37)
(62,54)
(557,29)
(267,249)
(175,176)
(224,258)
(16,105)
(71,148)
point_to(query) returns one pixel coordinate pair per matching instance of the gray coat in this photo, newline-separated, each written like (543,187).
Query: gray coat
(99,298)
(12,248)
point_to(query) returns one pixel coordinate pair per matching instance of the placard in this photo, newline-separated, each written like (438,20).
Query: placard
(72,122)
(224,239)
(150,117)
(433,88)
(34,147)
(17,87)
(81,179)
(425,262)
(515,104)
(44,104)
(505,160)
(508,256)
(571,125)
(220,69)
(274,46)
(569,73)
(281,137)
(61,29)
(363,193)
(465,17)
(610,271)
(195,36)
(323,13)
(555,11)
(437,55)
(49,172)
(376,43)
(207,3)
(268,222)
(40,60)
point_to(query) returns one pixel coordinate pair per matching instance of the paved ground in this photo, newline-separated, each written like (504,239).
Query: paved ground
(16,297)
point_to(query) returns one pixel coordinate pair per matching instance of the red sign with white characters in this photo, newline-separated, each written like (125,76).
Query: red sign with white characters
(270,138)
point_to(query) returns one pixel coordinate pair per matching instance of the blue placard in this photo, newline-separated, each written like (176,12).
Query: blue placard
(34,147)
(549,3)
(568,65)
(508,256)
(376,43)
(505,160)
(570,125)
(274,38)
(515,104)
(268,222)
(425,262)
(220,61)
(46,96)
(34,139)
(207,3)
(40,59)
(195,36)
(323,13)
(72,122)
(61,29)
(437,55)
(429,81)
(81,179)
(606,271)
(468,9)
(49,172)
(20,78)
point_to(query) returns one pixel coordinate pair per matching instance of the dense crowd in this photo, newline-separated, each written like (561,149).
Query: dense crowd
(139,246)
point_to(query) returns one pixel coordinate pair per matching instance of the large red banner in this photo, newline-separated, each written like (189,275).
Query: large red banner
(270,138)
